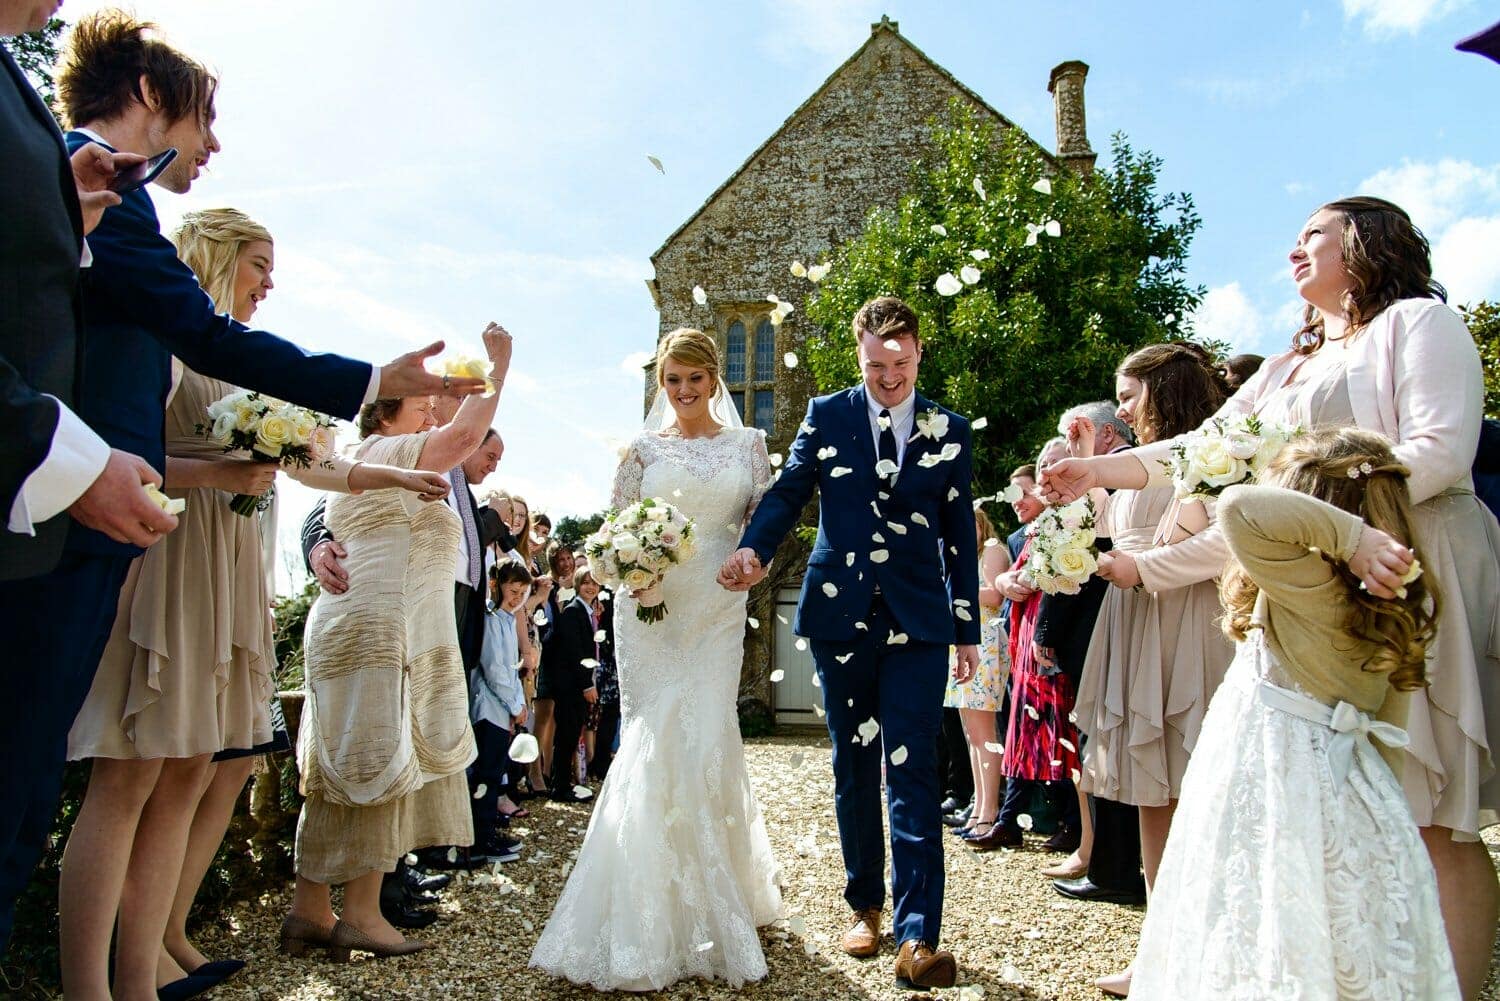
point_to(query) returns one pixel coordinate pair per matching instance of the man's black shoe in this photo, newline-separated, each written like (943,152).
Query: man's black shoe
(950,804)
(408,917)
(454,859)
(959,818)
(1083,889)
(427,882)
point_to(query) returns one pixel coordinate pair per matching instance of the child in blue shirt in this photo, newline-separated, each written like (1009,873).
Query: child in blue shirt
(497,703)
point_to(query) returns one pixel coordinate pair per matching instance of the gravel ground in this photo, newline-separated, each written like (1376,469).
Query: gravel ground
(1014,938)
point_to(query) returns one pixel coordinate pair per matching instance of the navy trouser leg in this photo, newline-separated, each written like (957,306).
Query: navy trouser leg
(487,780)
(55,627)
(1017,797)
(901,688)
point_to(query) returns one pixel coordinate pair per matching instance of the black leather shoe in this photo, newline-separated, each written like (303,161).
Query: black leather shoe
(960,818)
(1066,840)
(950,804)
(403,916)
(455,859)
(421,898)
(1084,889)
(421,881)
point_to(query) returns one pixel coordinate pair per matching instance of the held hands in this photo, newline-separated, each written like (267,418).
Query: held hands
(1011,585)
(332,577)
(116,502)
(94,168)
(1067,480)
(243,476)
(966,664)
(1380,562)
(1119,569)
(1081,432)
(741,571)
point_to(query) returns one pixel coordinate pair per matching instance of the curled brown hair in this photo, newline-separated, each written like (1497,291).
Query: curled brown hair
(1318,464)
(376,413)
(886,317)
(1387,258)
(1183,388)
(106,56)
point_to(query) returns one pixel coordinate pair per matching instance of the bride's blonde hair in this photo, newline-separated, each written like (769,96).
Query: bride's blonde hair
(689,347)
(209,241)
(1355,471)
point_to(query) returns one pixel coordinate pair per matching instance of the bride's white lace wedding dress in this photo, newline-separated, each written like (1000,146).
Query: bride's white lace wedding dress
(676,873)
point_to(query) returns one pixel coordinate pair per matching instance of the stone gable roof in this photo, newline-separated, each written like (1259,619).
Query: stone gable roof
(883,32)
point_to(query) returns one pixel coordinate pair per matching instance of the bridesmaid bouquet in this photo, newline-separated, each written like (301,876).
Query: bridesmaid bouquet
(1229,451)
(272,431)
(636,547)
(468,367)
(1064,551)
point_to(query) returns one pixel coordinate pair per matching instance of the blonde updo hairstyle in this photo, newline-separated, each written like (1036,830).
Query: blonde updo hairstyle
(1319,464)
(209,241)
(689,347)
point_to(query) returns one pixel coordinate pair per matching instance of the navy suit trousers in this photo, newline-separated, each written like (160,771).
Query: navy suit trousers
(900,687)
(55,626)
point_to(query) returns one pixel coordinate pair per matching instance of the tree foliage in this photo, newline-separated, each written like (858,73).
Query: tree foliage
(36,54)
(571,530)
(1483,319)
(1045,325)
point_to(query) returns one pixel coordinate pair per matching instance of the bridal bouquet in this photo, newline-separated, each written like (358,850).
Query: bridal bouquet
(637,546)
(271,431)
(1063,549)
(1228,451)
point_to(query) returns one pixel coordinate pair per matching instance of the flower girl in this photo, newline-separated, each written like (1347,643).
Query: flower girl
(1294,868)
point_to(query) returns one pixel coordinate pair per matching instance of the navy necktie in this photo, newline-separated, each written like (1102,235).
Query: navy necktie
(888,440)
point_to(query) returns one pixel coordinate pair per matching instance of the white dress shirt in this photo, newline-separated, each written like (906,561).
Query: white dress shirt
(903,422)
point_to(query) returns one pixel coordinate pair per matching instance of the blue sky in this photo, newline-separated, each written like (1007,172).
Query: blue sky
(426,168)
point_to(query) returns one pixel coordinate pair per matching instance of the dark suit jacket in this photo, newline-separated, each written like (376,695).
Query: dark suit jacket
(1065,622)
(41,240)
(144,306)
(931,563)
(572,643)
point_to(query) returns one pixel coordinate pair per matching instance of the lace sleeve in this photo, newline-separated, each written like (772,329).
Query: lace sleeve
(760,471)
(627,488)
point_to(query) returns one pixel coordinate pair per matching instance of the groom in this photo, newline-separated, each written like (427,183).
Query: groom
(892,583)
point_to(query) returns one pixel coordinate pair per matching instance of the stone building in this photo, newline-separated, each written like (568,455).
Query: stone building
(802,194)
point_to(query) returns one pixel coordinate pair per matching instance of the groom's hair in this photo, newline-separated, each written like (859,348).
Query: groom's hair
(885,317)
(104,59)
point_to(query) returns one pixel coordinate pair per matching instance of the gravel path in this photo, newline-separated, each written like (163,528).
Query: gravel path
(1013,936)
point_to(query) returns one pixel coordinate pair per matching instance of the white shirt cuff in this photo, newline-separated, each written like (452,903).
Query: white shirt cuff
(74,461)
(372,392)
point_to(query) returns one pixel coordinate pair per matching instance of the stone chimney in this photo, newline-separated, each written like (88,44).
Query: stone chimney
(1066,88)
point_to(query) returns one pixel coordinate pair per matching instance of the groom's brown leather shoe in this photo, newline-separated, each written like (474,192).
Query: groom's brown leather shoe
(862,940)
(920,965)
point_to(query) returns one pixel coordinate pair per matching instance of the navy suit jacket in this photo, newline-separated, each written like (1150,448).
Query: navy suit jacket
(142,305)
(930,578)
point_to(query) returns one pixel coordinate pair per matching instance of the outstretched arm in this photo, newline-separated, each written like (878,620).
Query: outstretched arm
(784,500)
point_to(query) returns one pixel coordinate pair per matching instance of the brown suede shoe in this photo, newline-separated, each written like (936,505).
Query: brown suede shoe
(862,940)
(919,965)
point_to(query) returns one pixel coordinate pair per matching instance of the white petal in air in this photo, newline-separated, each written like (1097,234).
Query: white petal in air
(879,556)
(599,636)
(777,676)
(1032,231)
(801,643)
(946,284)
(885,467)
(656,163)
(1053,228)
(980,423)
(844,658)
(818,272)
(1023,821)
(1011,494)
(896,527)
(827,452)
(774,458)
(753,622)
(1044,186)
(895,639)
(952,494)
(789,359)
(877,537)
(848,559)
(969,273)
(700,296)
(798,271)
(540,618)
(830,589)
(939,229)
(979,189)
(898,756)
(963,614)
(918,518)
(868,731)
(838,471)
(980,255)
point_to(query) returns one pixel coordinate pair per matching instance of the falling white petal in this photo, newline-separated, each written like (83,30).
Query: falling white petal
(848,559)
(963,614)
(599,636)
(480,790)
(818,272)
(895,638)
(896,527)
(879,556)
(891,344)
(838,471)
(1023,821)
(753,622)
(789,359)
(798,270)
(774,458)
(656,163)
(952,494)
(1044,186)
(1031,711)
(939,229)
(991,542)
(700,296)
(969,273)
(876,537)
(898,756)
(830,589)
(868,731)
(777,676)
(946,284)
(1068,744)
(980,423)
(827,452)
(1053,227)
(1011,494)
(979,189)
(843,658)
(980,254)
(918,518)
(781,618)
(993,747)
(801,643)
(1169,319)
(885,467)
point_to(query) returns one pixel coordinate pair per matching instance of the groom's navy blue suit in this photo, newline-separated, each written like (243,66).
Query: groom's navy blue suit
(856,608)
(141,306)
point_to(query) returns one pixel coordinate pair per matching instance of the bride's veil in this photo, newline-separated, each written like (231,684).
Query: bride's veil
(721,408)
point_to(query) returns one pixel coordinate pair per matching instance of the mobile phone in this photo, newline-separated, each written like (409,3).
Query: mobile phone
(142,173)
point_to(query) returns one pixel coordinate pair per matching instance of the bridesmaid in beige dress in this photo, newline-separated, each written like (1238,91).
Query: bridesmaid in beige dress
(385,733)
(1378,349)
(1157,655)
(187,671)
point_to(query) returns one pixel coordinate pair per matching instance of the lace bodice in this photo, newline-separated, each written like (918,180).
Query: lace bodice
(653,461)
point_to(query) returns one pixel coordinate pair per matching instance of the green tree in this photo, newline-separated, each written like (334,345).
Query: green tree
(571,530)
(1483,319)
(36,54)
(1048,317)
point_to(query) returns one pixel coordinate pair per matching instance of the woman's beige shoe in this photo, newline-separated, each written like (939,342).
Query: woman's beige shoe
(347,938)
(300,934)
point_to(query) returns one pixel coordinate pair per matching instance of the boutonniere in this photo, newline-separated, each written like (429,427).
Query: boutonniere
(933,424)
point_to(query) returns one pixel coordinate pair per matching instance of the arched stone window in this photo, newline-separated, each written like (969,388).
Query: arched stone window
(750,367)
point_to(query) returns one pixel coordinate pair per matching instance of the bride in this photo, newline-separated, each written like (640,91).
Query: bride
(676,872)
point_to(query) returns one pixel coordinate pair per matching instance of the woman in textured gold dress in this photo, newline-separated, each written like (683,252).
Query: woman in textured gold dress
(385,733)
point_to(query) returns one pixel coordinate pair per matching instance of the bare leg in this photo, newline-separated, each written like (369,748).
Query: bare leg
(1077,863)
(153,875)
(93,871)
(1156,821)
(543,727)
(224,783)
(362,909)
(979,730)
(1470,898)
(313,902)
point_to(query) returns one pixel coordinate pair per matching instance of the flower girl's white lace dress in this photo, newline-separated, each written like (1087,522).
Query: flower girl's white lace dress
(676,872)
(1294,869)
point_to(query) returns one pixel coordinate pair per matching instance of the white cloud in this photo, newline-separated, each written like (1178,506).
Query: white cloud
(1226,314)
(1465,261)
(633,363)
(1296,187)
(1383,18)
(1436,194)
(827,27)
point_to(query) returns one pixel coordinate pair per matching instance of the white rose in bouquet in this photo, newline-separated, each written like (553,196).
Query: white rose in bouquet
(655,560)
(247,414)
(273,435)
(1213,463)
(1075,562)
(320,443)
(1242,444)
(639,579)
(627,548)
(657,514)
(223,427)
(670,536)
(686,548)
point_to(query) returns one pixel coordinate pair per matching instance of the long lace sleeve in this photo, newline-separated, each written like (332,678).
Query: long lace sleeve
(627,488)
(760,472)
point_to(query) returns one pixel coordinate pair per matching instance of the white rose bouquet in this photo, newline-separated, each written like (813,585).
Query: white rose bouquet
(636,547)
(1229,451)
(272,431)
(1064,552)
